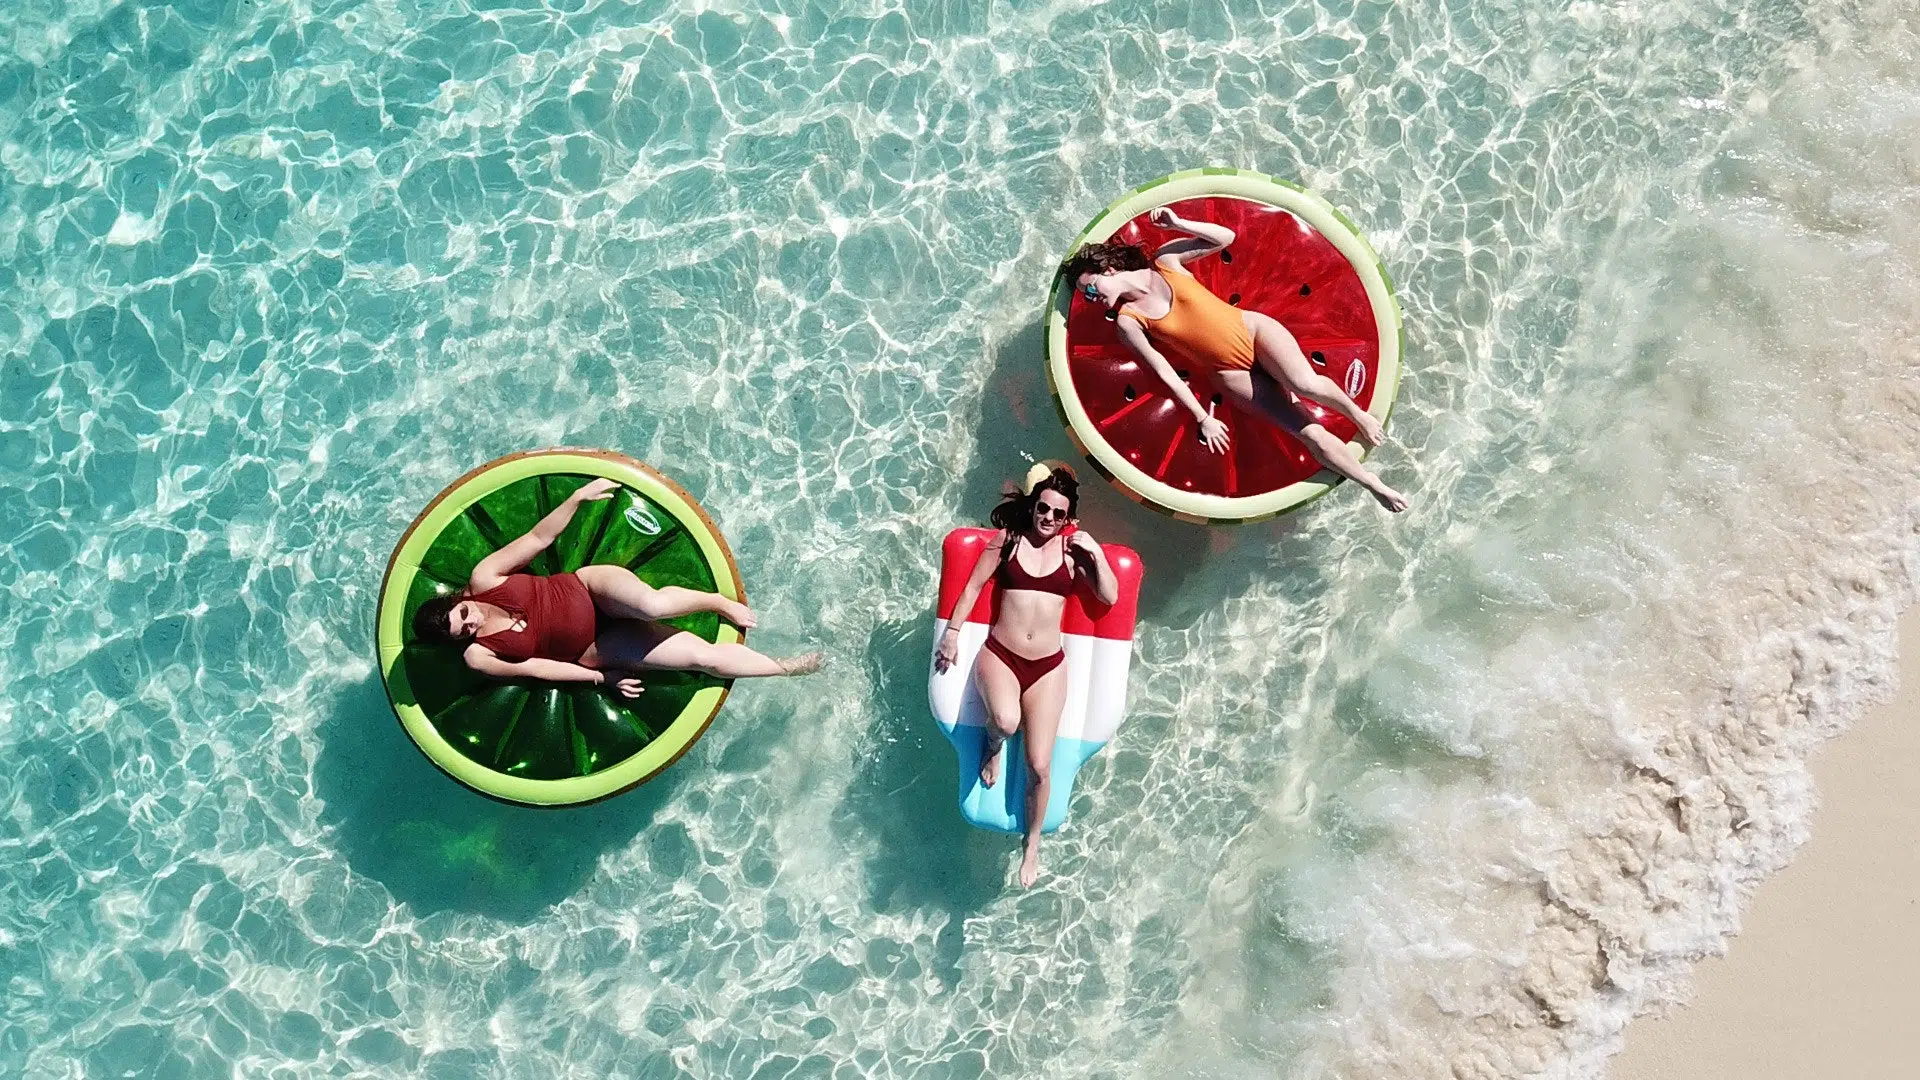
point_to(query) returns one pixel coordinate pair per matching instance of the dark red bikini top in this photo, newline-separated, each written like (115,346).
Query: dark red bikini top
(1014,576)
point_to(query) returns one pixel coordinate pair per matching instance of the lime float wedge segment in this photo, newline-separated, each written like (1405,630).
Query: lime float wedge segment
(537,743)
(1296,258)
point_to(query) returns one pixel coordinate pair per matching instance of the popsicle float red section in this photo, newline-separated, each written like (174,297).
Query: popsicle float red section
(1098,642)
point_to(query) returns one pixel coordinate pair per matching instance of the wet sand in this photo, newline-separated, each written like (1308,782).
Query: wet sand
(1824,978)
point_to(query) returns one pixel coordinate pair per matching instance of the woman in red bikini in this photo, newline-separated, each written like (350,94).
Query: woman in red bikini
(1020,672)
(1254,361)
(595,625)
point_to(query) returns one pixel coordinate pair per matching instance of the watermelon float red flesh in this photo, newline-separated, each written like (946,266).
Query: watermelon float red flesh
(1277,265)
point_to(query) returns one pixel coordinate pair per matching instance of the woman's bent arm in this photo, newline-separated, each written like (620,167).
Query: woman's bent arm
(1203,237)
(494,568)
(1106,585)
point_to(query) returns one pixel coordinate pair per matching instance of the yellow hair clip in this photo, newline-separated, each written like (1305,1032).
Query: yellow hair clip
(1040,471)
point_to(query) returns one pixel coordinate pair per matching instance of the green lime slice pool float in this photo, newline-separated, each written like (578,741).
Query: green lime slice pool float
(546,744)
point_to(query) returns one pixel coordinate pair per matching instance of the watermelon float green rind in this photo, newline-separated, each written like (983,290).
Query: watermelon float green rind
(545,744)
(1142,443)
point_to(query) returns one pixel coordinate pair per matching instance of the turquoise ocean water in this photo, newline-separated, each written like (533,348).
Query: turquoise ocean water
(1450,794)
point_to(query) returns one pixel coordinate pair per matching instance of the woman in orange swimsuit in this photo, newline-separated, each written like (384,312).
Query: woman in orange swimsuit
(1020,673)
(1255,362)
(595,625)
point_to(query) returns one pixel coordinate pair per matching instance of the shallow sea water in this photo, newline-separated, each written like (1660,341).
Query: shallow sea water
(1450,794)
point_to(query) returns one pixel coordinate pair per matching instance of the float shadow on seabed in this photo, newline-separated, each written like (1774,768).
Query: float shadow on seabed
(438,846)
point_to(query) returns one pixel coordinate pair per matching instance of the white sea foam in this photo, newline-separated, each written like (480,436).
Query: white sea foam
(1639,743)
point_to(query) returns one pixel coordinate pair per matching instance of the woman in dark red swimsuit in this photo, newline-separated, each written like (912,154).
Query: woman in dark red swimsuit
(1035,565)
(595,625)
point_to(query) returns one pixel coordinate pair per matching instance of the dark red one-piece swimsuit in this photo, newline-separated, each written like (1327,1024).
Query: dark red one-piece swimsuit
(1010,576)
(561,622)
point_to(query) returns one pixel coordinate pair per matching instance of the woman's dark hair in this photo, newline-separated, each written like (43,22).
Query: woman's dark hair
(1107,258)
(1015,512)
(430,621)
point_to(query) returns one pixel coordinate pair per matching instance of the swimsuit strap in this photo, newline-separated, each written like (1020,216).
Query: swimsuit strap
(1173,300)
(1013,575)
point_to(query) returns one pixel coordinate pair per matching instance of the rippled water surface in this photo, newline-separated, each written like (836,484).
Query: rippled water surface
(1453,793)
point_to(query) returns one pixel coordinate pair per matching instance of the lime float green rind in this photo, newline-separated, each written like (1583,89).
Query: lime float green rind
(536,743)
(1221,181)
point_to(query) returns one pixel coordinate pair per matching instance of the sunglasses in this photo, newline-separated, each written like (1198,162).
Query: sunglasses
(1091,292)
(1045,512)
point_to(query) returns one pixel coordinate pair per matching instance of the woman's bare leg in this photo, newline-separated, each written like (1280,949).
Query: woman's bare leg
(618,592)
(1280,357)
(1256,393)
(1000,691)
(1042,704)
(630,645)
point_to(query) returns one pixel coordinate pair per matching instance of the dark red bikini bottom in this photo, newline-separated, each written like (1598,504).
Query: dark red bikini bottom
(1025,672)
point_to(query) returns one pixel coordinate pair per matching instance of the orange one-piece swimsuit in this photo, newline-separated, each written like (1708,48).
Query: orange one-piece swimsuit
(1199,326)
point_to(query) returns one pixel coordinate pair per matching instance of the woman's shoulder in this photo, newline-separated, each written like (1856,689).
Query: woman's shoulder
(476,588)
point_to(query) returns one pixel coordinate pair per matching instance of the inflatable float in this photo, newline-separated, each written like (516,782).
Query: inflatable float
(538,743)
(1099,647)
(1295,258)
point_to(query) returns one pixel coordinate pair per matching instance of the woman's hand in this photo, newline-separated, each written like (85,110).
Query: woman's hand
(1082,545)
(1213,432)
(1163,217)
(948,652)
(629,687)
(597,490)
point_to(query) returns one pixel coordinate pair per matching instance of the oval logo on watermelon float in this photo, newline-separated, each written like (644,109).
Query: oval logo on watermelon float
(641,518)
(1356,379)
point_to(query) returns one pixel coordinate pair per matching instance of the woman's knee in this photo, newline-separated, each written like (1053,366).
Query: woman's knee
(1320,440)
(601,573)
(1005,724)
(608,580)
(1039,773)
(706,658)
(1324,387)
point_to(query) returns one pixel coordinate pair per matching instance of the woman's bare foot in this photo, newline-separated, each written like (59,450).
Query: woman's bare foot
(804,664)
(990,763)
(1372,432)
(738,614)
(1030,868)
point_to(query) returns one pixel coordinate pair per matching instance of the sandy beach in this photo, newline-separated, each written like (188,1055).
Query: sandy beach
(1820,981)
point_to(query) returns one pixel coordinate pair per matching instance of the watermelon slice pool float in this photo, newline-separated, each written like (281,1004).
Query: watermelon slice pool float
(1295,258)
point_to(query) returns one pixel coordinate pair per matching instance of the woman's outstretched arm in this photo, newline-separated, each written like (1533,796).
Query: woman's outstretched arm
(494,568)
(1203,237)
(1212,431)
(482,659)
(947,650)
